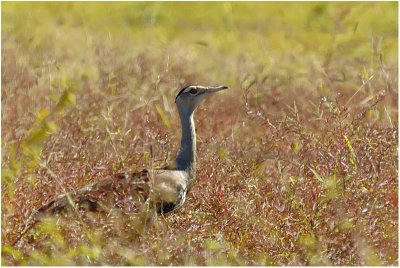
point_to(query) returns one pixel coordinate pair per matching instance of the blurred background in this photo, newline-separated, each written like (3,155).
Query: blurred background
(218,40)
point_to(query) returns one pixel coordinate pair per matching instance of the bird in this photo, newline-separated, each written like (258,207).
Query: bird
(158,191)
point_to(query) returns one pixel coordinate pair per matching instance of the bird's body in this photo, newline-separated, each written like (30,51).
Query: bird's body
(164,189)
(150,191)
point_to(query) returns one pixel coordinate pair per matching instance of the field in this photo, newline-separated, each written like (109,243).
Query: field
(297,161)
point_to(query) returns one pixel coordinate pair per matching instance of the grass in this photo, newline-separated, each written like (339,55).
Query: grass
(297,161)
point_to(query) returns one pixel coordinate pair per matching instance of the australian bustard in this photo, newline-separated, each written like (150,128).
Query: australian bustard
(157,190)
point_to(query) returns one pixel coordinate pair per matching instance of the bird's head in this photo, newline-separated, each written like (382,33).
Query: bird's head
(190,97)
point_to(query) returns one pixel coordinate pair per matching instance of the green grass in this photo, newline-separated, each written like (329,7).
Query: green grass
(297,161)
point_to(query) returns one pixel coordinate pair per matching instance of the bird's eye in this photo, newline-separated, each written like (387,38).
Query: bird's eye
(193,91)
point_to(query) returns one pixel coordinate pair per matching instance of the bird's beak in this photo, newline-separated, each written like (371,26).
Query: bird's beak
(215,89)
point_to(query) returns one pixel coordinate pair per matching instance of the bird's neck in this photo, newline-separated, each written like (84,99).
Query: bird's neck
(186,159)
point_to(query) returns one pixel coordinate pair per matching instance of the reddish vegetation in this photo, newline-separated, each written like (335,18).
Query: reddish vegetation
(277,180)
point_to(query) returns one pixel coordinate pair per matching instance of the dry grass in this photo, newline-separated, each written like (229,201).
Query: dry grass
(297,161)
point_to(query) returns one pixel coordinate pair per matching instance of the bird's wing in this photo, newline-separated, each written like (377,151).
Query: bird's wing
(163,190)
(109,193)
(160,187)
(126,191)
